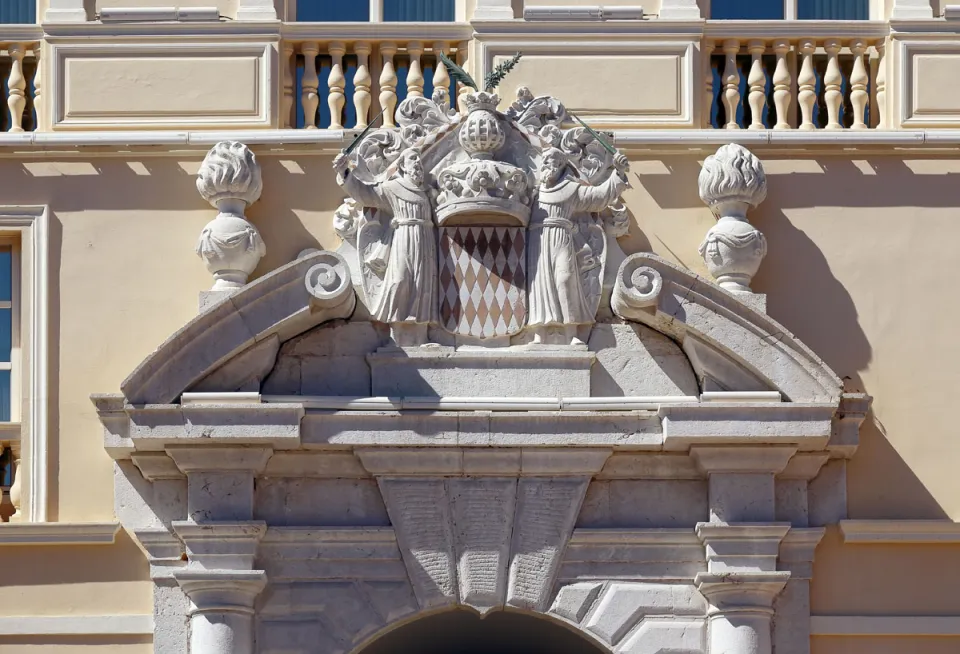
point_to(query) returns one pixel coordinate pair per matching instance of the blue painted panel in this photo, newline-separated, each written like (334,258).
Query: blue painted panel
(746,9)
(4,396)
(418,10)
(330,10)
(18,11)
(833,9)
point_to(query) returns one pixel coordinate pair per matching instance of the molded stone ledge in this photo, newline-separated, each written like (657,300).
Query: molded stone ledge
(797,549)
(636,430)
(845,436)
(153,427)
(807,426)
(221,545)
(58,533)
(654,555)
(734,548)
(314,464)
(482,462)
(742,460)
(737,590)
(900,532)
(297,554)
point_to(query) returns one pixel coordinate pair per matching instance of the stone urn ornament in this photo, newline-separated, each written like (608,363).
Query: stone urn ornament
(732,182)
(229,179)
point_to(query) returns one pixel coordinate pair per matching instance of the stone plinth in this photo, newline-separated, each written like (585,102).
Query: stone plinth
(449,372)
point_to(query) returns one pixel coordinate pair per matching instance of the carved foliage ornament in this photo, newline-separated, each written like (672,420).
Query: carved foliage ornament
(491,225)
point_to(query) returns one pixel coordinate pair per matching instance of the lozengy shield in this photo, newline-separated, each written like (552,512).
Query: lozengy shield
(483,280)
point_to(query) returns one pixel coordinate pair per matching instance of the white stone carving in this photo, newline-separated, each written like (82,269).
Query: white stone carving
(513,257)
(732,182)
(400,257)
(230,245)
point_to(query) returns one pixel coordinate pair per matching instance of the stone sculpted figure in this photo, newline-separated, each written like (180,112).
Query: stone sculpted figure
(556,296)
(408,297)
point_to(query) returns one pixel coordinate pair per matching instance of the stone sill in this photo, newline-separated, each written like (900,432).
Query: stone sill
(58,533)
(77,625)
(900,532)
(158,142)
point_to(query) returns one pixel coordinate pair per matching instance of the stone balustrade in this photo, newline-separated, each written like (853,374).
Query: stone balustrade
(9,479)
(331,83)
(828,77)
(21,90)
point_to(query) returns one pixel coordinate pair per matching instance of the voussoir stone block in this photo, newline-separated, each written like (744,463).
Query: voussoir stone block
(623,605)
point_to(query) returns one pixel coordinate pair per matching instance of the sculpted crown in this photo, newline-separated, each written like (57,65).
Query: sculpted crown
(482,100)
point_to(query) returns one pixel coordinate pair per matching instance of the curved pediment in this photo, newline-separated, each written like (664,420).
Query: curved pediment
(732,345)
(244,328)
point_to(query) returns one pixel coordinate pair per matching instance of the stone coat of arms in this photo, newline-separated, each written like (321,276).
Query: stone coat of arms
(492,226)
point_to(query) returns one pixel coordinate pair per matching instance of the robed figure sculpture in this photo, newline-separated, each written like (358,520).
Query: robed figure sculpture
(556,296)
(406,254)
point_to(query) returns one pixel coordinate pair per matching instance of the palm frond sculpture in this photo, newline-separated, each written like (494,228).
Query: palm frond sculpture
(456,72)
(495,76)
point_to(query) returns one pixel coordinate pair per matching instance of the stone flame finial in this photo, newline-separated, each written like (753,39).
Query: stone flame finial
(229,179)
(229,172)
(732,182)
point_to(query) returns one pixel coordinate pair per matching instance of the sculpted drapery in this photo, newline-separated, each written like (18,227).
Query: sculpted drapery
(556,294)
(410,270)
(463,240)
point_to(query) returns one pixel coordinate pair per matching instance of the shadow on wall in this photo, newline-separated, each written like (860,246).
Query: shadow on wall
(805,295)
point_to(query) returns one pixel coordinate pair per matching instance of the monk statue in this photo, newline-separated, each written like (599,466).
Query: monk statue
(556,296)
(407,298)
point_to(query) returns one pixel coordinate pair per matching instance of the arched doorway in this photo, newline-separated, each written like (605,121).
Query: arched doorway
(463,632)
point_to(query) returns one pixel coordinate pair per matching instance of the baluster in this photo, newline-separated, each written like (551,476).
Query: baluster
(708,99)
(414,74)
(15,487)
(309,97)
(807,81)
(832,82)
(882,122)
(757,81)
(462,54)
(388,83)
(17,99)
(441,78)
(731,82)
(361,84)
(336,83)
(37,87)
(781,84)
(858,84)
(289,76)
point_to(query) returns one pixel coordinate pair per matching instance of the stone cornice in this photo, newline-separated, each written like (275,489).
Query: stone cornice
(155,143)
(58,533)
(900,532)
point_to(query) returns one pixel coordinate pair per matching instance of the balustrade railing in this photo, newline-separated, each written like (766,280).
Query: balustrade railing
(21,87)
(337,83)
(795,82)
(9,480)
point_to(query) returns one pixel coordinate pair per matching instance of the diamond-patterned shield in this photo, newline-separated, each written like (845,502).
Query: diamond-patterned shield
(483,280)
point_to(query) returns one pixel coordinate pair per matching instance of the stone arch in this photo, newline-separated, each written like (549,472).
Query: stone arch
(468,632)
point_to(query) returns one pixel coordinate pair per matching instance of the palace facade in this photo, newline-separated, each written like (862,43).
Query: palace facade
(639,343)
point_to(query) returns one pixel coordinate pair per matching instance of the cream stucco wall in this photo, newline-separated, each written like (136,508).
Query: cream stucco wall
(859,268)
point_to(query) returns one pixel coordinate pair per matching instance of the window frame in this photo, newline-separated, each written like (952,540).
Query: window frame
(875,10)
(376,11)
(27,229)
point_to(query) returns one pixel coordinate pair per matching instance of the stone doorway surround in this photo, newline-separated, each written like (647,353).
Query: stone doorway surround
(301,523)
